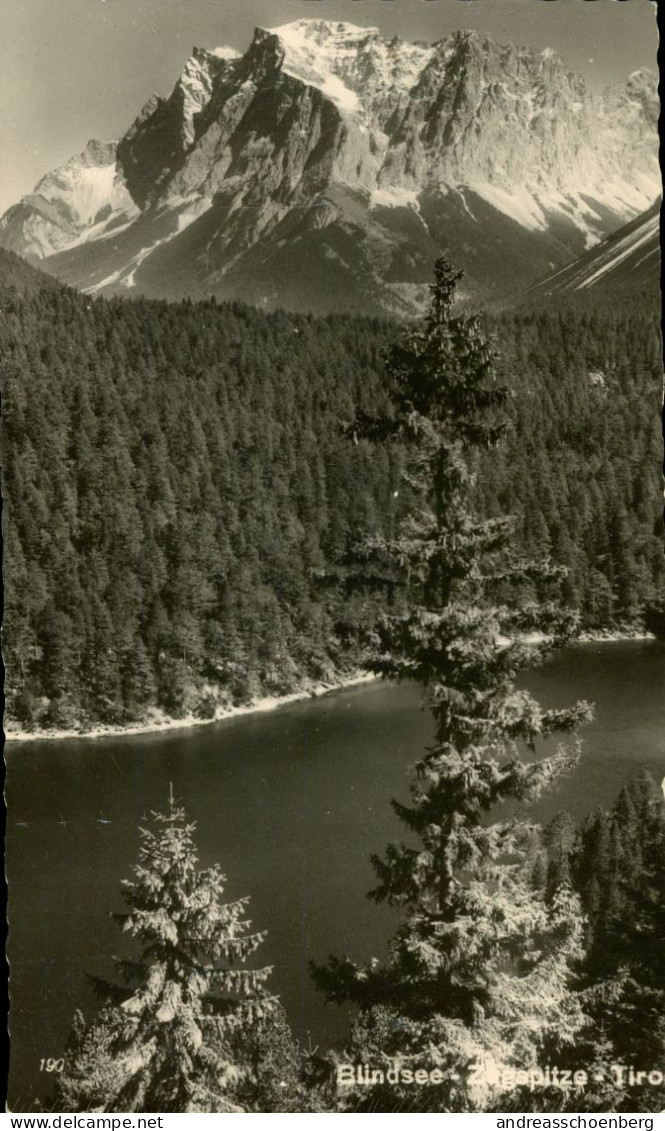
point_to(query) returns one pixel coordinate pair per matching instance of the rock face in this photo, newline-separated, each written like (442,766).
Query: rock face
(82,199)
(326,168)
(628,260)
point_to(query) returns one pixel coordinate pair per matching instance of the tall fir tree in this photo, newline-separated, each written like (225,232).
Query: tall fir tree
(169,1042)
(477,980)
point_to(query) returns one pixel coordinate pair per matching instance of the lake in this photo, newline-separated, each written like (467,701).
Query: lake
(291,803)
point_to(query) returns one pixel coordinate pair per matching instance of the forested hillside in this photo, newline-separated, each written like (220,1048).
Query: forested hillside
(16,272)
(176,482)
(583,468)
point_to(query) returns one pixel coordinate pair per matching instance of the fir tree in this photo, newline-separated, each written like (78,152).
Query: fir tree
(167,1044)
(619,869)
(478,970)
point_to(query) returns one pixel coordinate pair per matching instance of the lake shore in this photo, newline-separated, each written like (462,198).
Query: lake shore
(157,722)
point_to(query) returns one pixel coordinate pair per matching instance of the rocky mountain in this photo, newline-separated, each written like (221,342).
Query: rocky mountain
(628,260)
(81,200)
(327,167)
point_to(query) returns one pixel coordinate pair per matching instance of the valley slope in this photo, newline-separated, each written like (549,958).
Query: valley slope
(628,262)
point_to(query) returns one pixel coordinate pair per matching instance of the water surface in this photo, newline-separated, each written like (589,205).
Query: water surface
(291,804)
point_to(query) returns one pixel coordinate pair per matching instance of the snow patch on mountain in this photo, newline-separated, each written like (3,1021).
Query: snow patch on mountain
(69,205)
(627,259)
(530,207)
(633,196)
(463,133)
(191,210)
(129,280)
(351,65)
(85,185)
(105,229)
(393,198)
(226,52)
(180,213)
(622,249)
(519,205)
(304,59)
(93,189)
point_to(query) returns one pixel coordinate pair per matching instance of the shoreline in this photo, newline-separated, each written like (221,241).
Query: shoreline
(158,723)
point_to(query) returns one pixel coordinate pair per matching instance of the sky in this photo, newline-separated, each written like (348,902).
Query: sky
(71,70)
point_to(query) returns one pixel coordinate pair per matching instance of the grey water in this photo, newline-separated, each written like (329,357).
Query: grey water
(291,803)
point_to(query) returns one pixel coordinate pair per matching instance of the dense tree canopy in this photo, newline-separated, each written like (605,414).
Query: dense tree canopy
(177,488)
(176,481)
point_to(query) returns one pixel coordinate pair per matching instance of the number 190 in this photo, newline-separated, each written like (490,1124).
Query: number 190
(50,1064)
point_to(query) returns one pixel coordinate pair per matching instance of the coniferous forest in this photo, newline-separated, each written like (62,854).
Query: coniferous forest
(203,504)
(517,946)
(339,370)
(179,486)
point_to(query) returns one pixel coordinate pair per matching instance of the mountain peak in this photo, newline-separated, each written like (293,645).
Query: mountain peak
(353,66)
(466,35)
(322,31)
(98,152)
(328,167)
(68,202)
(226,52)
(466,39)
(312,53)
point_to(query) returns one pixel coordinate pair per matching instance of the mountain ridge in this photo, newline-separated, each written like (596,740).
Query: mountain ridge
(627,260)
(326,168)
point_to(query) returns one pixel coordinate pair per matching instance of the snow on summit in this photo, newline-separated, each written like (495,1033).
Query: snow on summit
(324,37)
(226,52)
(344,60)
(498,146)
(310,55)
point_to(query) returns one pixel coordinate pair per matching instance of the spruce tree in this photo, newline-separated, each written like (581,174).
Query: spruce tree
(167,1042)
(619,869)
(478,970)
